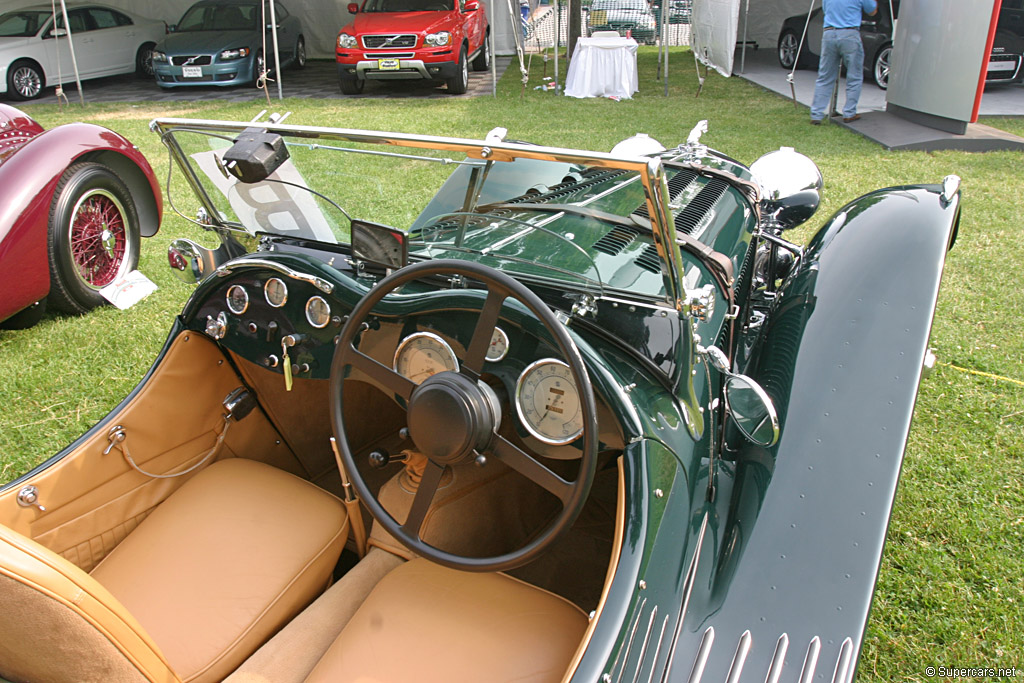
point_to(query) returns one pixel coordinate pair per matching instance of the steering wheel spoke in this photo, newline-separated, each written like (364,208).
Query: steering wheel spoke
(528,466)
(382,374)
(424,497)
(485,324)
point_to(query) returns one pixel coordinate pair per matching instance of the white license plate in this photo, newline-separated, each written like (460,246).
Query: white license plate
(388,64)
(1002,66)
(192,71)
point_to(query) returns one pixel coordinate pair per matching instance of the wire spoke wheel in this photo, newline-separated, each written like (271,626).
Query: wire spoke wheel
(97,238)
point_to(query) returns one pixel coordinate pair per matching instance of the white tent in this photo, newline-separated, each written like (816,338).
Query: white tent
(321,19)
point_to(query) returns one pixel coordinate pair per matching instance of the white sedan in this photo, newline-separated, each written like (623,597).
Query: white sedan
(35,51)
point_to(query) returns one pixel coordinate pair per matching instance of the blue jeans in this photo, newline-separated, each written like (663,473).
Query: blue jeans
(839,46)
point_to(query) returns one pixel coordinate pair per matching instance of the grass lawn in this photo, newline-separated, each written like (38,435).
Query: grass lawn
(951,589)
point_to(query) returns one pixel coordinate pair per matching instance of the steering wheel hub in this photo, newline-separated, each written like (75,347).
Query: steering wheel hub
(449,417)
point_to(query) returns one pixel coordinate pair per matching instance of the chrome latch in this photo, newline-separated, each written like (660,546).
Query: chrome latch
(28,497)
(584,305)
(700,303)
(116,435)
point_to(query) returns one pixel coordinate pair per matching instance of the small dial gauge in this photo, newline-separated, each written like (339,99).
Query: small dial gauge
(275,291)
(499,345)
(422,355)
(318,312)
(237,299)
(548,402)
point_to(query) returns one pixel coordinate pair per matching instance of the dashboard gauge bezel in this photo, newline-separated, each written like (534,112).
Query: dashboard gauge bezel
(327,317)
(533,431)
(266,294)
(230,303)
(501,357)
(423,334)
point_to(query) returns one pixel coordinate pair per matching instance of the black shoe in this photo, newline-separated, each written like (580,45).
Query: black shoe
(815,122)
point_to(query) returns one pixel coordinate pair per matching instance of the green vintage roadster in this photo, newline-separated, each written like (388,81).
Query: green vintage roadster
(479,410)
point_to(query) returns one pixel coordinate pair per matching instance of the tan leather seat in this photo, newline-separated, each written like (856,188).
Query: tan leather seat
(206,578)
(427,623)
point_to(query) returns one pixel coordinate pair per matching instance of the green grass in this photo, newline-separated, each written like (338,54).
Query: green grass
(951,590)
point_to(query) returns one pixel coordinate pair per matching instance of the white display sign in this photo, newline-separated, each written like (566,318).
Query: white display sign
(269,206)
(128,290)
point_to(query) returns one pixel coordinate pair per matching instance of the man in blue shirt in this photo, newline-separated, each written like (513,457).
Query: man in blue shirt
(840,44)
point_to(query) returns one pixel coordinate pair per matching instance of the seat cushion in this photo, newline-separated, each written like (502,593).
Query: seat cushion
(224,562)
(427,623)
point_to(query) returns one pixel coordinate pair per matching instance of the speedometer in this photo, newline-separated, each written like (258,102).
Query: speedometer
(548,402)
(422,355)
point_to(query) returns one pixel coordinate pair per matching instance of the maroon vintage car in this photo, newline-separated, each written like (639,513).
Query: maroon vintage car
(74,202)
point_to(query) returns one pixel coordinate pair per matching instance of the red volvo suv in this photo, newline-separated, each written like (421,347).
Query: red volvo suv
(411,40)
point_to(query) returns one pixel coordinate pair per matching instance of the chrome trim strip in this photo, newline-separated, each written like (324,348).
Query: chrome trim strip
(319,283)
(844,671)
(647,641)
(629,645)
(778,659)
(810,660)
(740,658)
(703,652)
(691,574)
(657,650)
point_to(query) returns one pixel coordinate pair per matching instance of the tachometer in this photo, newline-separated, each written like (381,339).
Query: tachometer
(318,312)
(422,355)
(548,402)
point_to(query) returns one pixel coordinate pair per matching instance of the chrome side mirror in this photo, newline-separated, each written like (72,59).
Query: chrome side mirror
(752,410)
(748,404)
(791,186)
(190,262)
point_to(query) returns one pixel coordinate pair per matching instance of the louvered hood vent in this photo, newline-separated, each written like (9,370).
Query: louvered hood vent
(691,215)
(615,241)
(561,192)
(649,259)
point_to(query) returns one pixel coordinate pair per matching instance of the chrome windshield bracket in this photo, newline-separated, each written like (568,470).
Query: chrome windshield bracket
(584,305)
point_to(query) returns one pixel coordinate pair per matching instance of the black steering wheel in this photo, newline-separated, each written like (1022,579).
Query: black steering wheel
(451,417)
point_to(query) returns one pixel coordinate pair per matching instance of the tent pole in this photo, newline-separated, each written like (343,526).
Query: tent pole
(71,44)
(664,40)
(277,53)
(558,32)
(743,52)
(494,65)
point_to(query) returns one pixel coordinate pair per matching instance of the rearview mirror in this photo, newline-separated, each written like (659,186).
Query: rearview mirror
(353,8)
(57,33)
(472,6)
(752,410)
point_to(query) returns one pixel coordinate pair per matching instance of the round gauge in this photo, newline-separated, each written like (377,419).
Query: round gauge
(275,291)
(422,355)
(318,313)
(237,299)
(548,402)
(499,345)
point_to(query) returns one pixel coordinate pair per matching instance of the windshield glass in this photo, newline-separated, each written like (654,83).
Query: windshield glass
(22,24)
(219,18)
(408,6)
(582,225)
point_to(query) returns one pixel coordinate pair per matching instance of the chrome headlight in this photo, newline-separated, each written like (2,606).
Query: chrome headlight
(237,53)
(159,56)
(791,186)
(438,39)
(346,41)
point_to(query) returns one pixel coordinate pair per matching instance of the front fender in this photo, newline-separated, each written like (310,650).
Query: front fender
(842,358)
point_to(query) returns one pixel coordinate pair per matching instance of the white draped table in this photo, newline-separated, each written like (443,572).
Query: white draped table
(603,67)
